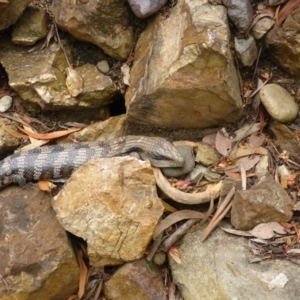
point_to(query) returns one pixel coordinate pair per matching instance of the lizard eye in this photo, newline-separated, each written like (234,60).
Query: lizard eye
(157,156)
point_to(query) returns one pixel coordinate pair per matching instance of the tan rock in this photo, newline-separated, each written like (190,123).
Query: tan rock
(284,45)
(136,280)
(106,202)
(206,154)
(11,11)
(104,23)
(31,27)
(36,260)
(107,130)
(184,77)
(42,80)
(286,140)
(98,89)
(278,102)
(266,201)
(41,83)
(8,142)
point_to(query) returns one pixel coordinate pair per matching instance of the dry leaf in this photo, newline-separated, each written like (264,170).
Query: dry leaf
(246,150)
(49,136)
(244,132)
(126,74)
(83,273)
(247,163)
(210,139)
(168,207)
(13,132)
(237,175)
(267,230)
(32,140)
(174,218)
(46,186)
(182,184)
(33,146)
(174,253)
(287,9)
(223,144)
(237,232)
(256,139)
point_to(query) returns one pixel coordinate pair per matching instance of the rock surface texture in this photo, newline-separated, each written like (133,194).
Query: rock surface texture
(112,204)
(10,11)
(183,74)
(104,23)
(219,269)
(36,260)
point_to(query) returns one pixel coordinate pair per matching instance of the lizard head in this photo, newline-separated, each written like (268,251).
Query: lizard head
(163,154)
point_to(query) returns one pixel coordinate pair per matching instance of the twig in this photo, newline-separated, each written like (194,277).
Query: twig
(183,229)
(220,213)
(61,46)
(154,247)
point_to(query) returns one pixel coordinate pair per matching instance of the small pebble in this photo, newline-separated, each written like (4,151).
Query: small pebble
(5,103)
(103,66)
(278,102)
(246,50)
(159,258)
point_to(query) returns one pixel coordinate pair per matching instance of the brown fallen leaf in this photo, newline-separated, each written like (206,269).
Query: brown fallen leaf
(210,139)
(49,136)
(267,230)
(83,273)
(174,253)
(46,186)
(176,217)
(13,132)
(246,150)
(287,9)
(256,139)
(247,162)
(223,144)
(236,232)
(237,175)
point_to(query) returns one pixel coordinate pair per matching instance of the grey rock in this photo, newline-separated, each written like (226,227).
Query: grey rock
(278,103)
(246,50)
(146,8)
(219,269)
(240,12)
